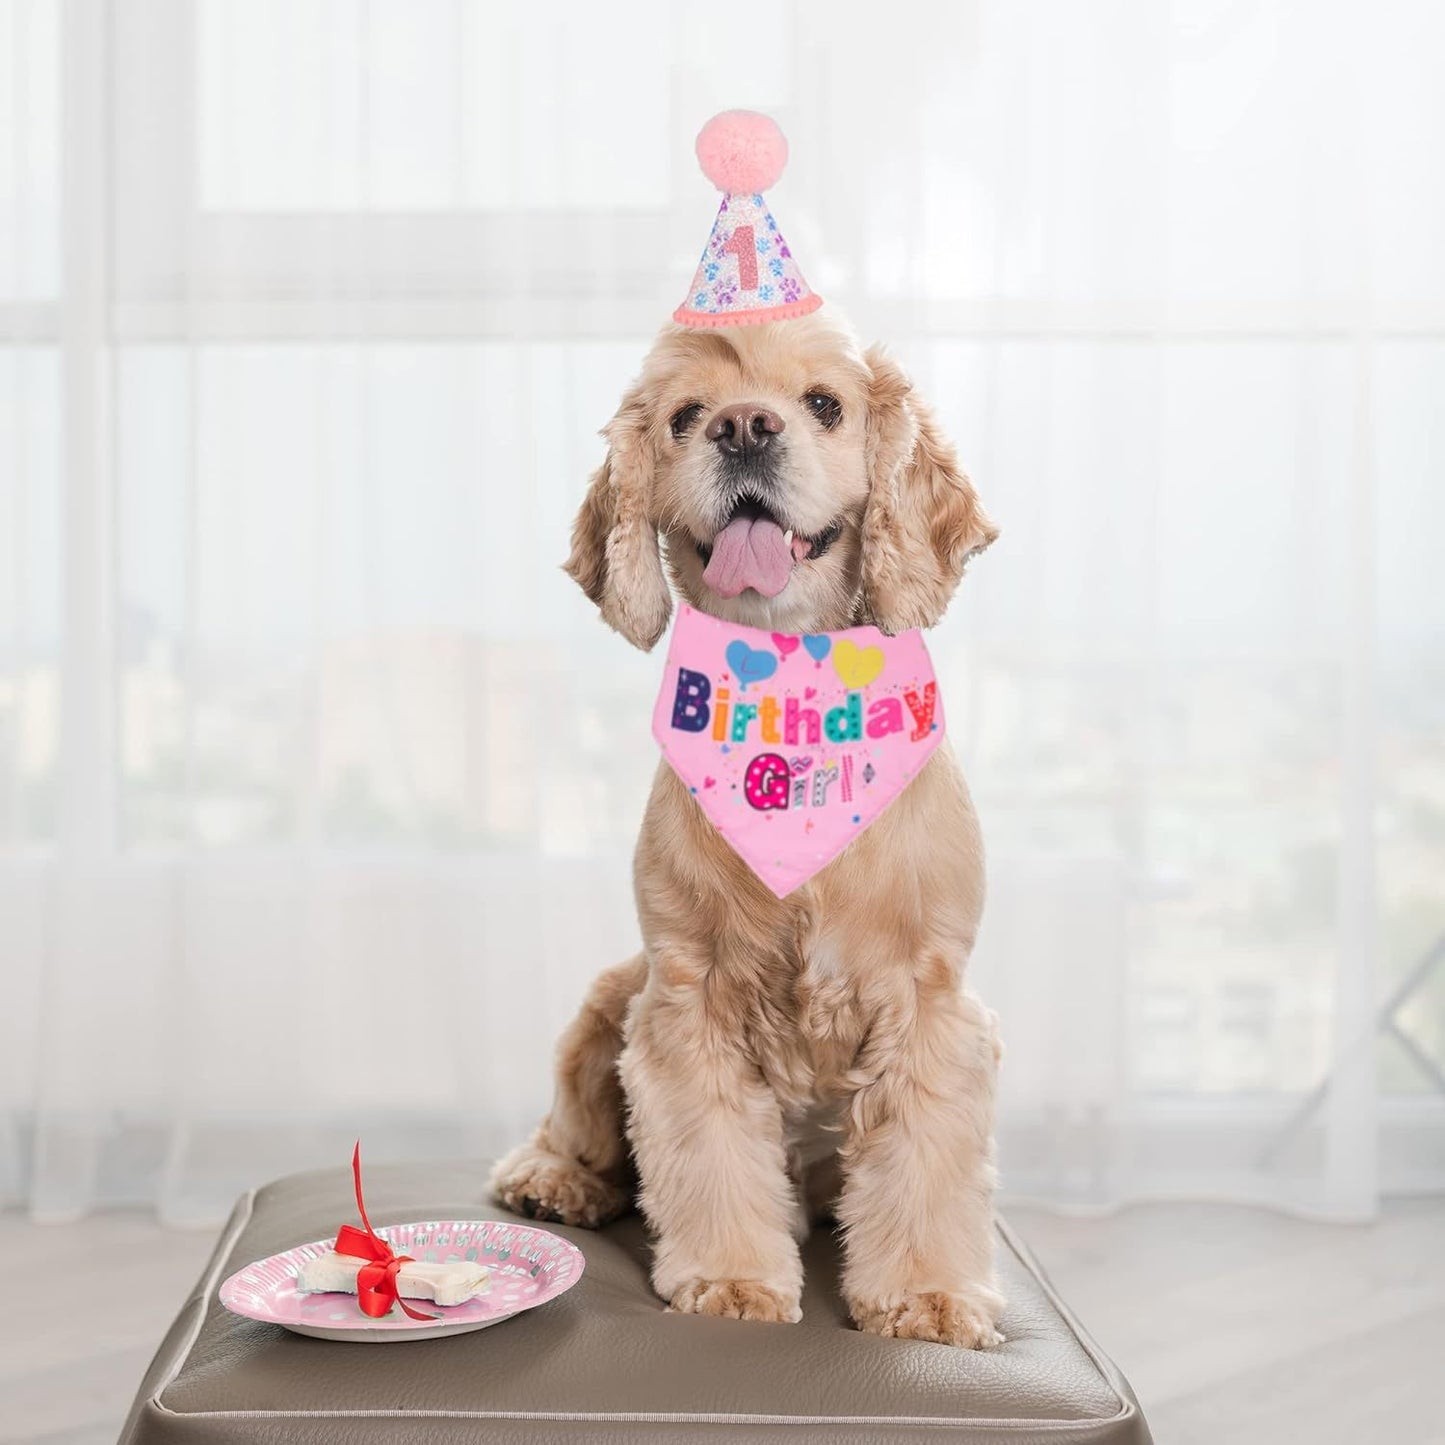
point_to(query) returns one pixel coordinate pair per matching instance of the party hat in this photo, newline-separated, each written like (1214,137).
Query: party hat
(747,273)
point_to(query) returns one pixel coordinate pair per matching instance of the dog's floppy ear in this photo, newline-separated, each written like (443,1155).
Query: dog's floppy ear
(615,557)
(923,520)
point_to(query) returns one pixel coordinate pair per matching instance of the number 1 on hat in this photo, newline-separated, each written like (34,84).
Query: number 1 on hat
(742,245)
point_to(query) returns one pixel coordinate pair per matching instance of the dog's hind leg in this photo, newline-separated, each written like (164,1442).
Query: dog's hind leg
(575,1169)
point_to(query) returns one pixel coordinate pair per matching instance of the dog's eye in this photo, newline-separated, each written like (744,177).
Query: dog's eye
(682,422)
(828,409)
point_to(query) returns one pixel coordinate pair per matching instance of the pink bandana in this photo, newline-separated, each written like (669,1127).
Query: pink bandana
(794,745)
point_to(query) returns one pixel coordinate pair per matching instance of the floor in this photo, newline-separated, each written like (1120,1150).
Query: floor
(1236,1327)
(1242,1327)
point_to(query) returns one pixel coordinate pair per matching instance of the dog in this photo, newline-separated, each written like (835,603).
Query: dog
(761,1058)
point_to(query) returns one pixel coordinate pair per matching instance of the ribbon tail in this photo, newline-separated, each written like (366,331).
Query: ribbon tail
(376,1288)
(393,1272)
(356,1179)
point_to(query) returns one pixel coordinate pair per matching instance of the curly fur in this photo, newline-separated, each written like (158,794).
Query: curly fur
(750,1028)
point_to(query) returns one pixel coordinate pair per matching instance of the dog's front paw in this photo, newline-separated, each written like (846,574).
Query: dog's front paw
(551,1187)
(736,1299)
(965,1319)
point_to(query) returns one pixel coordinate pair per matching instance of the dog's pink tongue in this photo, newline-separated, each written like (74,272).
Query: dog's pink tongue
(749,552)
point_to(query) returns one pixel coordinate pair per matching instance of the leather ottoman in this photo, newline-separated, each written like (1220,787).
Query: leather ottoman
(604,1362)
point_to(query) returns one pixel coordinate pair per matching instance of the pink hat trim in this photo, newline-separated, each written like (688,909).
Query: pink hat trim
(688,317)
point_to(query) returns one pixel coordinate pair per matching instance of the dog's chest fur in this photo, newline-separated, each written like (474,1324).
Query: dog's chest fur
(809,1037)
(798,983)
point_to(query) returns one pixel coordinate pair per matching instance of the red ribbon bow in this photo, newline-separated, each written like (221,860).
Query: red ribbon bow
(376,1290)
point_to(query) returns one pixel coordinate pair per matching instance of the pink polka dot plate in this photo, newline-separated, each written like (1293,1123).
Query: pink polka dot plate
(527,1267)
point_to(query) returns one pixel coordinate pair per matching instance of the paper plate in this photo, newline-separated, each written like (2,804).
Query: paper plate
(527,1268)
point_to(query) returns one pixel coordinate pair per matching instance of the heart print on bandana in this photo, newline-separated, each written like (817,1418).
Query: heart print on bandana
(793,751)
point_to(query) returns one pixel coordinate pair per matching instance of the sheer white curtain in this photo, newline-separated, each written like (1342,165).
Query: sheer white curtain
(310,311)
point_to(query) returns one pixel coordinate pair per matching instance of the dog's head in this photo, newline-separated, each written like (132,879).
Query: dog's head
(798,484)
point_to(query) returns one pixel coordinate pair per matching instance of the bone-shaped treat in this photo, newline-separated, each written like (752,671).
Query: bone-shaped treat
(449,1283)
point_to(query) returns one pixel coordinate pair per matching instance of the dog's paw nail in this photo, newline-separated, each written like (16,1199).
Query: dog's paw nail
(553,1189)
(736,1299)
(966,1320)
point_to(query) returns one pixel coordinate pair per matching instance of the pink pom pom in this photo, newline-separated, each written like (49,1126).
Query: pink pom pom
(741,151)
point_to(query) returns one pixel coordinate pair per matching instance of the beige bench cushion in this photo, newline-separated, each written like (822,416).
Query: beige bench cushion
(605,1363)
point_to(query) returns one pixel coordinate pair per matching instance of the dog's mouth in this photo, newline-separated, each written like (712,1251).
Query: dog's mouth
(754,549)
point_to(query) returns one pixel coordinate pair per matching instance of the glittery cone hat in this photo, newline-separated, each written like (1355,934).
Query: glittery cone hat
(747,273)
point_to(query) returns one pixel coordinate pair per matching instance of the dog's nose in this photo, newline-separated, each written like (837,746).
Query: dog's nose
(743,428)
